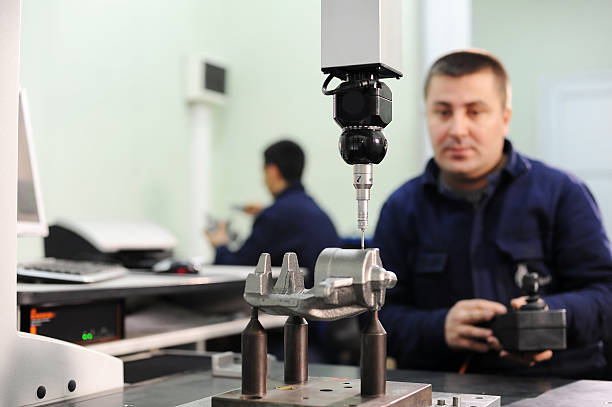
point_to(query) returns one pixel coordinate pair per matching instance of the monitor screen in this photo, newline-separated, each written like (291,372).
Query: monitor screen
(30,214)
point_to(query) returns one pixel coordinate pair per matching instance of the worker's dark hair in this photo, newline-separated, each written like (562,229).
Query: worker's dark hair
(461,63)
(288,157)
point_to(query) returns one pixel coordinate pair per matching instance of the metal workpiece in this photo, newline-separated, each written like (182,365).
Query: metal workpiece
(296,350)
(254,358)
(347,282)
(362,181)
(373,357)
(260,282)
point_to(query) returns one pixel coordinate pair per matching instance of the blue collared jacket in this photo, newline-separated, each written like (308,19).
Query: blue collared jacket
(444,249)
(293,223)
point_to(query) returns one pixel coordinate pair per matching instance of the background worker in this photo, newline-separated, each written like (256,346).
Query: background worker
(293,223)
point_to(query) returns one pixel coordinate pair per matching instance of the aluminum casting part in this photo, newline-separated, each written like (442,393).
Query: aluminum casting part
(347,283)
(254,358)
(362,181)
(291,278)
(260,282)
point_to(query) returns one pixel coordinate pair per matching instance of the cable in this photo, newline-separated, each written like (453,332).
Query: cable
(465,364)
(346,85)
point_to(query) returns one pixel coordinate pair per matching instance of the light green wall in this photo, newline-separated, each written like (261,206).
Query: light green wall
(105,83)
(540,38)
(105,89)
(276,90)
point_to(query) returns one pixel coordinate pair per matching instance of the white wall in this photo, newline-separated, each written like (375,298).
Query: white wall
(105,86)
(104,78)
(539,39)
(558,56)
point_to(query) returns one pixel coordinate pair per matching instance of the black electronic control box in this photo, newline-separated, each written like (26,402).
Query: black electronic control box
(522,330)
(82,324)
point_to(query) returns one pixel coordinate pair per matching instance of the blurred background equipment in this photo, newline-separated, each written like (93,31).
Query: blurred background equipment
(133,244)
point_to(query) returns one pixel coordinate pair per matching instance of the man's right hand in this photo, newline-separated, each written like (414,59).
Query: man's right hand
(218,236)
(460,330)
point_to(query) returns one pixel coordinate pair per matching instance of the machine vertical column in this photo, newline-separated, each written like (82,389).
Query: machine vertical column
(254,358)
(9,91)
(296,350)
(373,357)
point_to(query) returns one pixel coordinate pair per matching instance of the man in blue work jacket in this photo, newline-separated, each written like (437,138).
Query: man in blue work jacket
(456,234)
(293,223)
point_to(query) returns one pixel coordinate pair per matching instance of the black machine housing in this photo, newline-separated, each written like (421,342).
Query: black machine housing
(362,107)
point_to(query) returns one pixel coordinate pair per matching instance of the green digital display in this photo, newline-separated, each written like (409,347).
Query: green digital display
(87,336)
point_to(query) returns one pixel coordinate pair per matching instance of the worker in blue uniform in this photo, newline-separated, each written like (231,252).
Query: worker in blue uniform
(293,223)
(456,234)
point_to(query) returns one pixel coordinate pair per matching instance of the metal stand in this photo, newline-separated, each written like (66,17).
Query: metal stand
(296,350)
(373,358)
(254,359)
(330,392)
(347,283)
(301,391)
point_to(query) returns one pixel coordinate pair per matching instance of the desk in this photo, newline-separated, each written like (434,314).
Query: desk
(183,388)
(134,284)
(150,329)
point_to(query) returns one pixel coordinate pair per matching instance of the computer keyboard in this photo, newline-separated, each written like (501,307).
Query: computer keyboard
(68,271)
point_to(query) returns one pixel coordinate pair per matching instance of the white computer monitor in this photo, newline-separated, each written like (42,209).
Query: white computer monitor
(30,212)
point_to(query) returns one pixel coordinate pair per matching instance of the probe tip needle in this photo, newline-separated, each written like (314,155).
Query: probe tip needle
(362,239)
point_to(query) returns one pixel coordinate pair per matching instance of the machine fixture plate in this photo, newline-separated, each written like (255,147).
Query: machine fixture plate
(328,392)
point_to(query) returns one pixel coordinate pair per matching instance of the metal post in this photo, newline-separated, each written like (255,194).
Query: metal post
(296,350)
(254,358)
(373,358)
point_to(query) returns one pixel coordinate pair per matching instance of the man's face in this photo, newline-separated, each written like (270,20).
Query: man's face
(467,123)
(273,179)
(269,177)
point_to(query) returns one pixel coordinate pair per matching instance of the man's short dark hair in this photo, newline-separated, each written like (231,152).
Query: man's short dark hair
(288,157)
(461,63)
